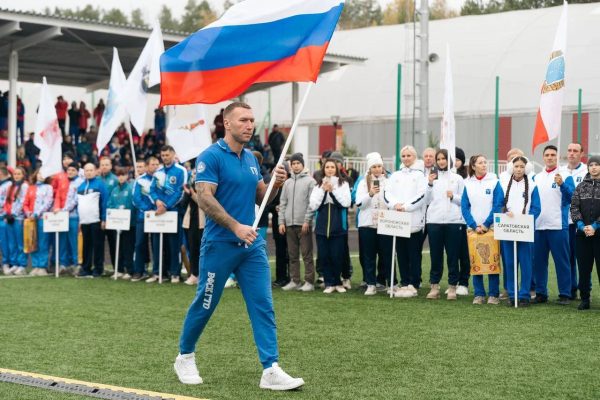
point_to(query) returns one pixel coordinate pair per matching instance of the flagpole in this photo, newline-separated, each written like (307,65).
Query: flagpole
(579,116)
(398,100)
(497,125)
(132,148)
(284,151)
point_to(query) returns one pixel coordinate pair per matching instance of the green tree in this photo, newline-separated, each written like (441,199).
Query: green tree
(439,10)
(399,12)
(137,18)
(115,16)
(197,16)
(166,20)
(360,14)
(88,12)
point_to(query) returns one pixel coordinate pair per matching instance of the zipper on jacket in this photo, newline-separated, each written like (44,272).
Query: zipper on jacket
(328,219)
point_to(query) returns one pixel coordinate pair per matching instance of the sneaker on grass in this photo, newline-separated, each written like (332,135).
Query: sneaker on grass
(6,269)
(136,277)
(478,300)
(307,287)
(12,270)
(152,279)
(371,291)
(20,271)
(174,279)
(191,280)
(186,370)
(231,283)
(462,290)
(275,378)
(291,286)
(329,289)
(126,277)
(347,284)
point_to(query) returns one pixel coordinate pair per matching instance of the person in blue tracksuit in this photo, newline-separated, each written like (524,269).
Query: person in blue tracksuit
(520,197)
(166,191)
(552,229)
(229,183)
(481,198)
(5,184)
(92,197)
(142,202)
(38,201)
(121,197)
(577,170)
(69,250)
(330,199)
(14,215)
(105,173)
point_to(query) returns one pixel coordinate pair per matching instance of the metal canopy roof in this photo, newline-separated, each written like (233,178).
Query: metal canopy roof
(78,52)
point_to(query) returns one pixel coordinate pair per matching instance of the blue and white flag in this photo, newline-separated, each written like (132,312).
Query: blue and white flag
(114,113)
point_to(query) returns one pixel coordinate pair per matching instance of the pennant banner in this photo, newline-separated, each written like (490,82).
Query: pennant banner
(48,137)
(188,131)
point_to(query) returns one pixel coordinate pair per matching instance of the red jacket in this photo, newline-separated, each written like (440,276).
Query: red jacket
(61,109)
(84,115)
(29,203)
(60,185)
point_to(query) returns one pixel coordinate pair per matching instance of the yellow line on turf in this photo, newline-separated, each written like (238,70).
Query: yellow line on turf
(99,385)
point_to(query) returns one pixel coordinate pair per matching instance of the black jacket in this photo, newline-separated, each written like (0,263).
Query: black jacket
(585,204)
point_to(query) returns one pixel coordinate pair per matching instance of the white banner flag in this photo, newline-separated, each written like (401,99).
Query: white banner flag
(145,74)
(448,131)
(115,112)
(188,131)
(47,136)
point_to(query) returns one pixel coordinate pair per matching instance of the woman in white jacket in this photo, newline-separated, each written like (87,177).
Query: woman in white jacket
(330,200)
(405,191)
(445,224)
(369,199)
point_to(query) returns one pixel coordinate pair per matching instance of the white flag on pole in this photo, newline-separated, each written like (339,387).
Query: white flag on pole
(145,74)
(549,116)
(114,113)
(188,131)
(47,136)
(448,131)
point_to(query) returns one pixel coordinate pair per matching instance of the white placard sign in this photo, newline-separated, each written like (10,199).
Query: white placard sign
(164,223)
(518,228)
(118,219)
(56,222)
(394,223)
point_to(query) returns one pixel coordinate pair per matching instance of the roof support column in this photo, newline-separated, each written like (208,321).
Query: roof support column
(13,74)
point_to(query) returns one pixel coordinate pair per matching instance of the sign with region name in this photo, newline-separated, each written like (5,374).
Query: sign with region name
(56,222)
(518,228)
(164,223)
(394,223)
(118,219)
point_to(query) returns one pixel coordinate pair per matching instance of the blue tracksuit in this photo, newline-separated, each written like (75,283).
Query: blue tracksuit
(142,203)
(515,204)
(552,233)
(167,186)
(4,186)
(222,252)
(481,199)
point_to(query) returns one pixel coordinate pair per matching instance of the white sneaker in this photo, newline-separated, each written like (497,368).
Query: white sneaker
(275,378)
(152,279)
(340,289)
(12,270)
(230,283)
(291,286)
(174,279)
(42,272)
(20,271)
(186,370)
(307,287)
(404,293)
(6,269)
(413,290)
(347,284)
(329,289)
(380,288)
(393,290)
(126,277)
(462,290)
(370,290)
(191,280)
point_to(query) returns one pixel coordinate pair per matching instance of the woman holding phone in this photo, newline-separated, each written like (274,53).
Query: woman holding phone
(369,200)
(445,225)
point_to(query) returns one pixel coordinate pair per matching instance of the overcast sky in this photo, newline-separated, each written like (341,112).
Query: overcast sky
(151,8)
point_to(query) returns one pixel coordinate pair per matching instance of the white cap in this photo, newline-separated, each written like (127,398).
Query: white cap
(374,159)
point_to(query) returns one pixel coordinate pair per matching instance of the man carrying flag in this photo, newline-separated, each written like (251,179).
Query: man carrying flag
(216,63)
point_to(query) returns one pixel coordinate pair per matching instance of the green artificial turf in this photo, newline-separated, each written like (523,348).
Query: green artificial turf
(345,346)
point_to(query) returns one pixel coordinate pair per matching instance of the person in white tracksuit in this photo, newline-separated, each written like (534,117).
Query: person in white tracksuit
(405,191)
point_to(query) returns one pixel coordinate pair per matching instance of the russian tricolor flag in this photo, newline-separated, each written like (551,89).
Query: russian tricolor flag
(254,41)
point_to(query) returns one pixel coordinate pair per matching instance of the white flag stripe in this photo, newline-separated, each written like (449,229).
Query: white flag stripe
(145,74)
(114,113)
(188,131)
(448,130)
(48,137)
